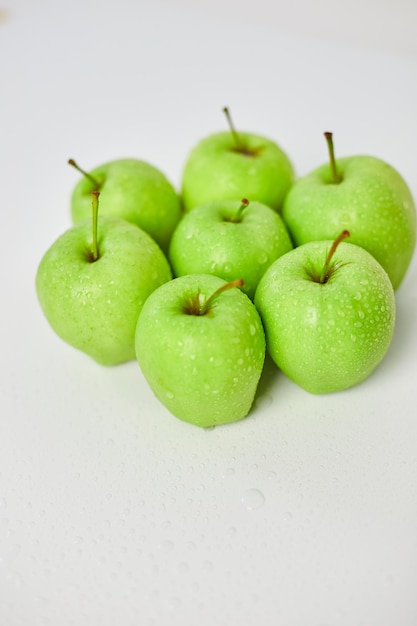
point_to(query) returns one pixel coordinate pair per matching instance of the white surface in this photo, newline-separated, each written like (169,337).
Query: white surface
(112,512)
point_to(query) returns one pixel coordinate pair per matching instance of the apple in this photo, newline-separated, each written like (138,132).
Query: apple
(92,285)
(133,190)
(201,347)
(362,194)
(229,238)
(329,312)
(231,165)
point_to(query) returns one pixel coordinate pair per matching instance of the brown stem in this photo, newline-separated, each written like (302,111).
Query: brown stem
(238,217)
(335,174)
(324,277)
(238,142)
(84,173)
(195,304)
(208,303)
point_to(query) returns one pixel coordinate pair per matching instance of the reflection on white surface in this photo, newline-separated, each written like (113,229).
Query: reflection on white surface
(111,510)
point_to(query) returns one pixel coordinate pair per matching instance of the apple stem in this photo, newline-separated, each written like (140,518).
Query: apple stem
(325,275)
(84,173)
(206,306)
(239,145)
(95,251)
(195,304)
(238,217)
(335,174)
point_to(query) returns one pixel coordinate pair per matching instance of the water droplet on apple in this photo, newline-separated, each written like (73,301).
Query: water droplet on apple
(263,259)
(252,329)
(353,337)
(169,395)
(189,236)
(253,499)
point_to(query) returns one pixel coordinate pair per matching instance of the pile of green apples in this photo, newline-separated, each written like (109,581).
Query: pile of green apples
(198,285)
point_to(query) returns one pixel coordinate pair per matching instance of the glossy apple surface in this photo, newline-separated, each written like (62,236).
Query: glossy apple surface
(94,305)
(220,239)
(372,201)
(204,368)
(217,170)
(135,191)
(326,336)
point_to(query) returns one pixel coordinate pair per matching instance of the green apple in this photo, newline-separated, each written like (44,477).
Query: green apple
(201,347)
(364,195)
(231,165)
(229,238)
(92,287)
(329,312)
(133,190)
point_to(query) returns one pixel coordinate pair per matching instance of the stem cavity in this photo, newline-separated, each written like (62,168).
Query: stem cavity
(328,269)
(197,305)
(238,216)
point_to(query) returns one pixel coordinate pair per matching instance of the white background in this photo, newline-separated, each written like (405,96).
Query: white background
(112,512)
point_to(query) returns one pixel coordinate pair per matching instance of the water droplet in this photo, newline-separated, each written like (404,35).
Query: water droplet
(253,499)
(169,395)
(252,329)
